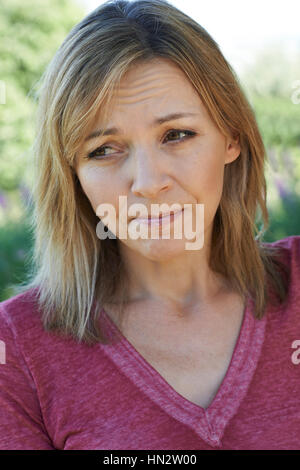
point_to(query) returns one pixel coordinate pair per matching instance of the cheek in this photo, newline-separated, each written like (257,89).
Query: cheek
(97,187)
(206,176)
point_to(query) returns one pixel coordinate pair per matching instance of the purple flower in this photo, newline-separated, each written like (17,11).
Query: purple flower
(24,192)
(288,162)
(283,192)
(273,159)
(3,200)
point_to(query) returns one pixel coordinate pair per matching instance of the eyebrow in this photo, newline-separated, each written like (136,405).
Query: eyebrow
(158,121)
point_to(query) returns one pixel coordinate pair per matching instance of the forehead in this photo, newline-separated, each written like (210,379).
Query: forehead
(152,71)
(154,84)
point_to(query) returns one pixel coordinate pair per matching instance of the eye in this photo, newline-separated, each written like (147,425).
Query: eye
(98,155)
(98,152)
(179,131)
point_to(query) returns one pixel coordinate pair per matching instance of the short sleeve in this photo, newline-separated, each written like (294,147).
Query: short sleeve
(21,422)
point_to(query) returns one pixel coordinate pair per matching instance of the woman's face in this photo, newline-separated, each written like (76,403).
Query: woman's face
(150,162)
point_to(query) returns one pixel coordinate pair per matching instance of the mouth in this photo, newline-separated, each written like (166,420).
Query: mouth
(170,216)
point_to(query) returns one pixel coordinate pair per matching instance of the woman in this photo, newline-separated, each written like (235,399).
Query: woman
(139,343)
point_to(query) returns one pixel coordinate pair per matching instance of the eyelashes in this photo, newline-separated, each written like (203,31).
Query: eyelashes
(93,154)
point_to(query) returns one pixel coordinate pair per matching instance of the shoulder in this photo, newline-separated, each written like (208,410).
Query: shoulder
(20,325)
(17,302)
(283,321)
(290,244)
(20,311)
(22,329)
(289,254)
(286,317)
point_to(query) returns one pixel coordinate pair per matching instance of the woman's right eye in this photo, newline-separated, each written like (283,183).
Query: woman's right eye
(97,152)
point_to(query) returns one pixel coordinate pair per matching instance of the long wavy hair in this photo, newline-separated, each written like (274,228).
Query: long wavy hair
(74,273)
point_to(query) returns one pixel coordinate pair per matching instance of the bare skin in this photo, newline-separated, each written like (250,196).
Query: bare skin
(191,353)
(182,317)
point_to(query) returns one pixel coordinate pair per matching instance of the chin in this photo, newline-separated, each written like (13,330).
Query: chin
(159,250)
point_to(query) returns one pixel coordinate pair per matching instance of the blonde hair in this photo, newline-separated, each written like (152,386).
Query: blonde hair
(75,272)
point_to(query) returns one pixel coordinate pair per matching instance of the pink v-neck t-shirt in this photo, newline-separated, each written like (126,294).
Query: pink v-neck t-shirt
(56,393)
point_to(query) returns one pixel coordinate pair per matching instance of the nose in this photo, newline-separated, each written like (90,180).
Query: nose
(150,176)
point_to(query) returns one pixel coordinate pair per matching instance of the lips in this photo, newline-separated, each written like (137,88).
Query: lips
(167,215)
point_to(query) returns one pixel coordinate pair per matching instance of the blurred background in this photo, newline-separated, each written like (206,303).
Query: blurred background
(260,39)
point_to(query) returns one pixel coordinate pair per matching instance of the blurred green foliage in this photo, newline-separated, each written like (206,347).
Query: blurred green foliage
(30,33)
(279,120)
(272,85)
(15,252)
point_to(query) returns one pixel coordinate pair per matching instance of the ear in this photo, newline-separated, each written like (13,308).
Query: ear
(233,149)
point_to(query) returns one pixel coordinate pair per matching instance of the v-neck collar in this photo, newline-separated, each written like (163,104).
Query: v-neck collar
(208,423)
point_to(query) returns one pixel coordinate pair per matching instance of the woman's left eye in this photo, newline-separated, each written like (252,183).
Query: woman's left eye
(178,131)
